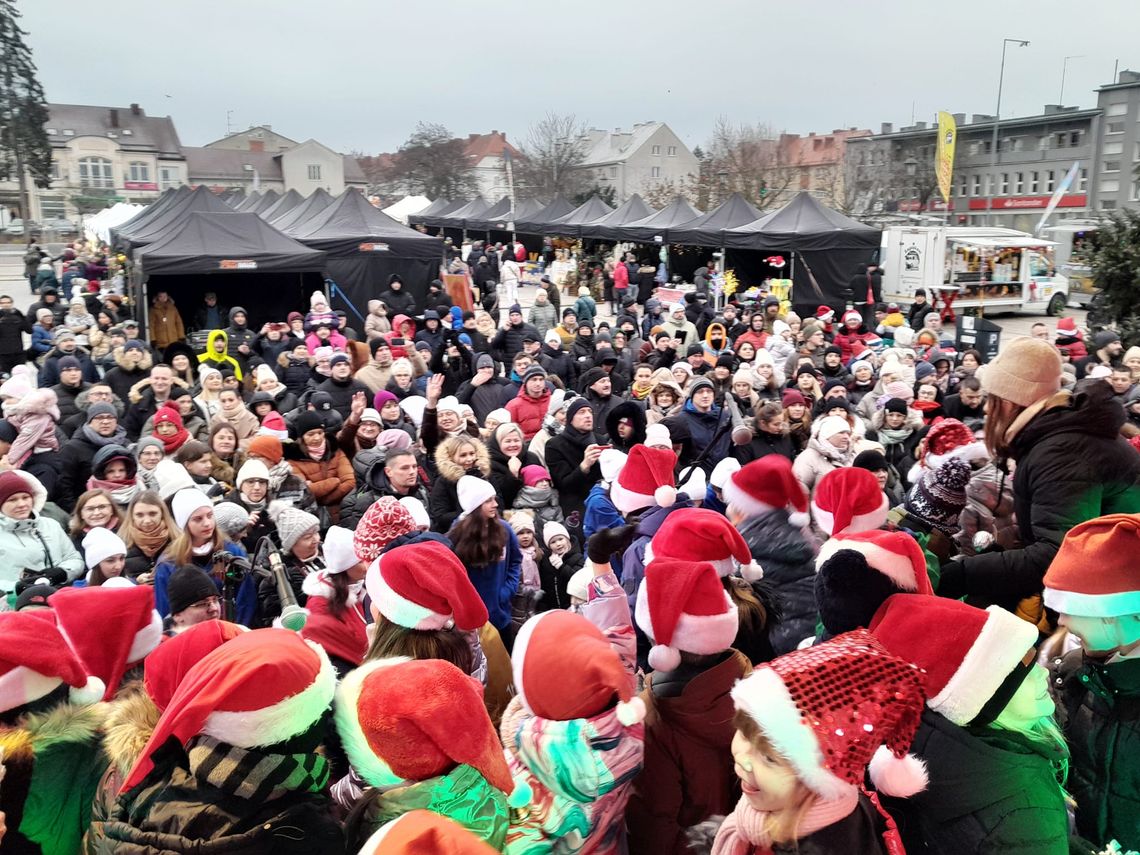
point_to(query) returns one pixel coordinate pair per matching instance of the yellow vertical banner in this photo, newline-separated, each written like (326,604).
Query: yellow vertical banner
(944,164)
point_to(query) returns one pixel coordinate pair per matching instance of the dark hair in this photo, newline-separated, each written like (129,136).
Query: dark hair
(971,383)
(338,602)
(399,452)
(391,639)
(971,352)
(190,451)
(479,540)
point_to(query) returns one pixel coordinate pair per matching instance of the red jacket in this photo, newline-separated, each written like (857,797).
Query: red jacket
(621,277)
(845,341)
(528,412)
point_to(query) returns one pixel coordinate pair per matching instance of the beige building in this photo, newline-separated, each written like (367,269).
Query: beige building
(815,163)
(488,155)
(638,160)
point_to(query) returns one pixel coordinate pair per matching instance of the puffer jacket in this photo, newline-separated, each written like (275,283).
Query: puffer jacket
(990,791)
(543,317)
(1072,466)
(528,412)
(329,479)
(1098,708)
(443,504)
(688,774)
(581,773)
(989,507)
(36,543)
(787,557)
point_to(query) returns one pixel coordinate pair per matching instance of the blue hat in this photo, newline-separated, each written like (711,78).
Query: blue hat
(133,344)
(464,338)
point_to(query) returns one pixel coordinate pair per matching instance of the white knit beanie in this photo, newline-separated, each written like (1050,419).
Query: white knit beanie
(419,513)
(252,469)
(291,523)
(829,426)
(317,297)
(1024,371)
(472,493)
(100,544)
(186,502)
(340,555)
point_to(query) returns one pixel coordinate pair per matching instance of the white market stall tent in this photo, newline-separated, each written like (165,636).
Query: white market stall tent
(407,206)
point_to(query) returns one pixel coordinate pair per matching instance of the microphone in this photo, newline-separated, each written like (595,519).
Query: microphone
(292,615)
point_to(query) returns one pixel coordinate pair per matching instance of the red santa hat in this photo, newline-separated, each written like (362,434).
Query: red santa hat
(825,314)
(273,425)
(402,719)
(384,521)
(261,688)
(852,315)
(1067,328)
(425,586)
(421,831)
(565,669)
(848,500)
(698,534)
(646,479)
(836,708)
(765,485)
(682,606)
(895,554)
(946,439)
(1094,573)
(969,657)
(36,659)
(168,663)
(110,628)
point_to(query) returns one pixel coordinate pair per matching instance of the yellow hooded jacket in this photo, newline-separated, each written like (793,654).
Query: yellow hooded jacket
(216,359)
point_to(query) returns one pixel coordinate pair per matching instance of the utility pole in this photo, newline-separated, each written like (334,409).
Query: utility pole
(997,123)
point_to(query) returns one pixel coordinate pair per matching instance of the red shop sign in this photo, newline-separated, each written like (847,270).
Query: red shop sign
(1013,203)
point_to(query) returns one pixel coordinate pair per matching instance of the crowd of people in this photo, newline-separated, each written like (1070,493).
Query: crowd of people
(692,579)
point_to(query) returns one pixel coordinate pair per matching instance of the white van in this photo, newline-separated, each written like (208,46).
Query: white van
(972,268)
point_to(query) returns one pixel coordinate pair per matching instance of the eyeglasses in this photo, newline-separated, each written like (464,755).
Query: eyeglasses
(97,507)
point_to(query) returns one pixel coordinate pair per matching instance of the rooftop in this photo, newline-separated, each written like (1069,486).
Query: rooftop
(1052,114)
(227,164)
(479,146)
(618,145)
(130,127)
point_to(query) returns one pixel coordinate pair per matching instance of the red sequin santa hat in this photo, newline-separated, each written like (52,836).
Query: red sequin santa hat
(402,719)
(682,606)
(946,439)
(895,554)
(765,485)
(698,534)
(418,832)
(848,500)
(565,669)
(36,659)
(424,586)
(646,479)
(168,663)
(972,659)
(262,688)
(110,628)
(1094,573)
(384,521)
(836,708)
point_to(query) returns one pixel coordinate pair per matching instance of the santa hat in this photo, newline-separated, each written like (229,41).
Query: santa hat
(110,628)
(384,521)
(473,492)
(825,314)
(848,500)
(698,534)
(274,425)
(895,554)
(421,831)
(187,502)
(402,719)
(972,659)
(565,669)
(851,315)
(339,552)
(168,663)
(723,471)
(1094,573)
(836,708)
(645,480)
(1067,328)
(425,586)
(100,544)
(36,658)
(765,485)
(682,606)
(261,688)
(948,438)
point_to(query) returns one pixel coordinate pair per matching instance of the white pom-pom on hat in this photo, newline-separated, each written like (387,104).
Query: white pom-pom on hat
(798,519)
(91,693)
(664,658)
(752,572)
(665,496)
(897,776)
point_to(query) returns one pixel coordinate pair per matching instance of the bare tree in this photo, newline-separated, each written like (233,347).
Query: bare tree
(552,154)
(658,192)
(745,158)
(431,163)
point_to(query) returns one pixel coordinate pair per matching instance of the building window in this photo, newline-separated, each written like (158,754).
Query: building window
(1111,166)
(1110,185)
(655,172)
(1005,184)
(1113,148)
(127,132)
(1114,128)
(1107,204)
(1043,144)
(68,132)
(52,207)
(988,146)
(1120,109)
(56,171)
(613,172)
(962,179)
(1083,181)
(96,172)
(139,171)
(672,151)
(1049,181)
(1074,139)
(1019,182)
(1135,191)
(977,185)
(51,132)
(1033,184)
(168,177)
(1062,140)
(657,149)
(314,172)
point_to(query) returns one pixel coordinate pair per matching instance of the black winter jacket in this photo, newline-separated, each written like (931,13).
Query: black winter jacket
(1072,466)
(762,444)
(788,560)
(990,791)
(12,325)
(560,363)
(341,392)
(398,302)
(564,455)
(509,340)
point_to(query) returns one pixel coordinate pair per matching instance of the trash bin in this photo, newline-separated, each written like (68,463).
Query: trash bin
(977,334)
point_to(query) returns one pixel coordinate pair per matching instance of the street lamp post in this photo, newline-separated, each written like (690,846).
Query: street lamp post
(997,123)
(1064,68)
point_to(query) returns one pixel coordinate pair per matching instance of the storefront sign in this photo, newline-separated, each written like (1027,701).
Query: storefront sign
(139,185)
(237,264)
(374,247)
(1010,203)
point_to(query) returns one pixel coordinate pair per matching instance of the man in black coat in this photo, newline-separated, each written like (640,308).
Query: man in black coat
(161,385)
(69,387)
(509,340)
(341,386)
(485,391)
(210,315)
(49,299)
(867,290)
(398,300)
(966,405)
(240,337)
(13,324)
(572,458)
(77,454)
(65,346)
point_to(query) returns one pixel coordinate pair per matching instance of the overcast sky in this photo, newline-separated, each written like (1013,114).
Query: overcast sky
(358,75)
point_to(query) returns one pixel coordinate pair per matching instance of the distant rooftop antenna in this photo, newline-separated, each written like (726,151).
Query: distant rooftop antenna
(229,122)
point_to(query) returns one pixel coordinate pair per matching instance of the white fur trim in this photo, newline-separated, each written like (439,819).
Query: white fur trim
(799,519)
(628,502)
(1117,604)
(743,502)
(999,647)
(518,656)
(22,685)
(146,639)
(764,697)
(281,721)
(860,522)
(701,635)
(892,565)
(89,693)
(631,712)
(970,452)
(400,610)
(364,760)
(901,777)
(752,572)
(317,585)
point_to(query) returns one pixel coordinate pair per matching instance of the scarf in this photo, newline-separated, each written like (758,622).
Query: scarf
(278,472)
(894,436)
(119,437)
(744,829)
(318,453)
(171,444)
(150,543)
(831,453)
(535,497)
(253,775)
(122,492)
(638,394)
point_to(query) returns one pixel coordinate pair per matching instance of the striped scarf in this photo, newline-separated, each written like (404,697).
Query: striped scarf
(252,775)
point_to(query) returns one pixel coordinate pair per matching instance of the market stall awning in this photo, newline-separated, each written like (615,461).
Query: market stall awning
(571,224)
(656,227)
(736,211)
(630,211)
(803,224)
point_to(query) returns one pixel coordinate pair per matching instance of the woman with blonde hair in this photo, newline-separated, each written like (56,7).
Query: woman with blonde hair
(147,530)
(455,457)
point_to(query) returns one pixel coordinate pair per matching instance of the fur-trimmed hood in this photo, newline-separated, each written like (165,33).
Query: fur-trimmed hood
(451,471)
(131,720)
(145,363)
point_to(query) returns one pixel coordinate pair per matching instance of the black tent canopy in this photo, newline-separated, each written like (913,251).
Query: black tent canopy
(286,203)
(655,228)
(630,211)
(267,201)
(709,230)
(571,224)
(318,200)
(435,208)
(534,224)
(365,247)
(438,218)
(491,217)
(199,199)
(458,218)
(803,224)
(150,212)
(249,202)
